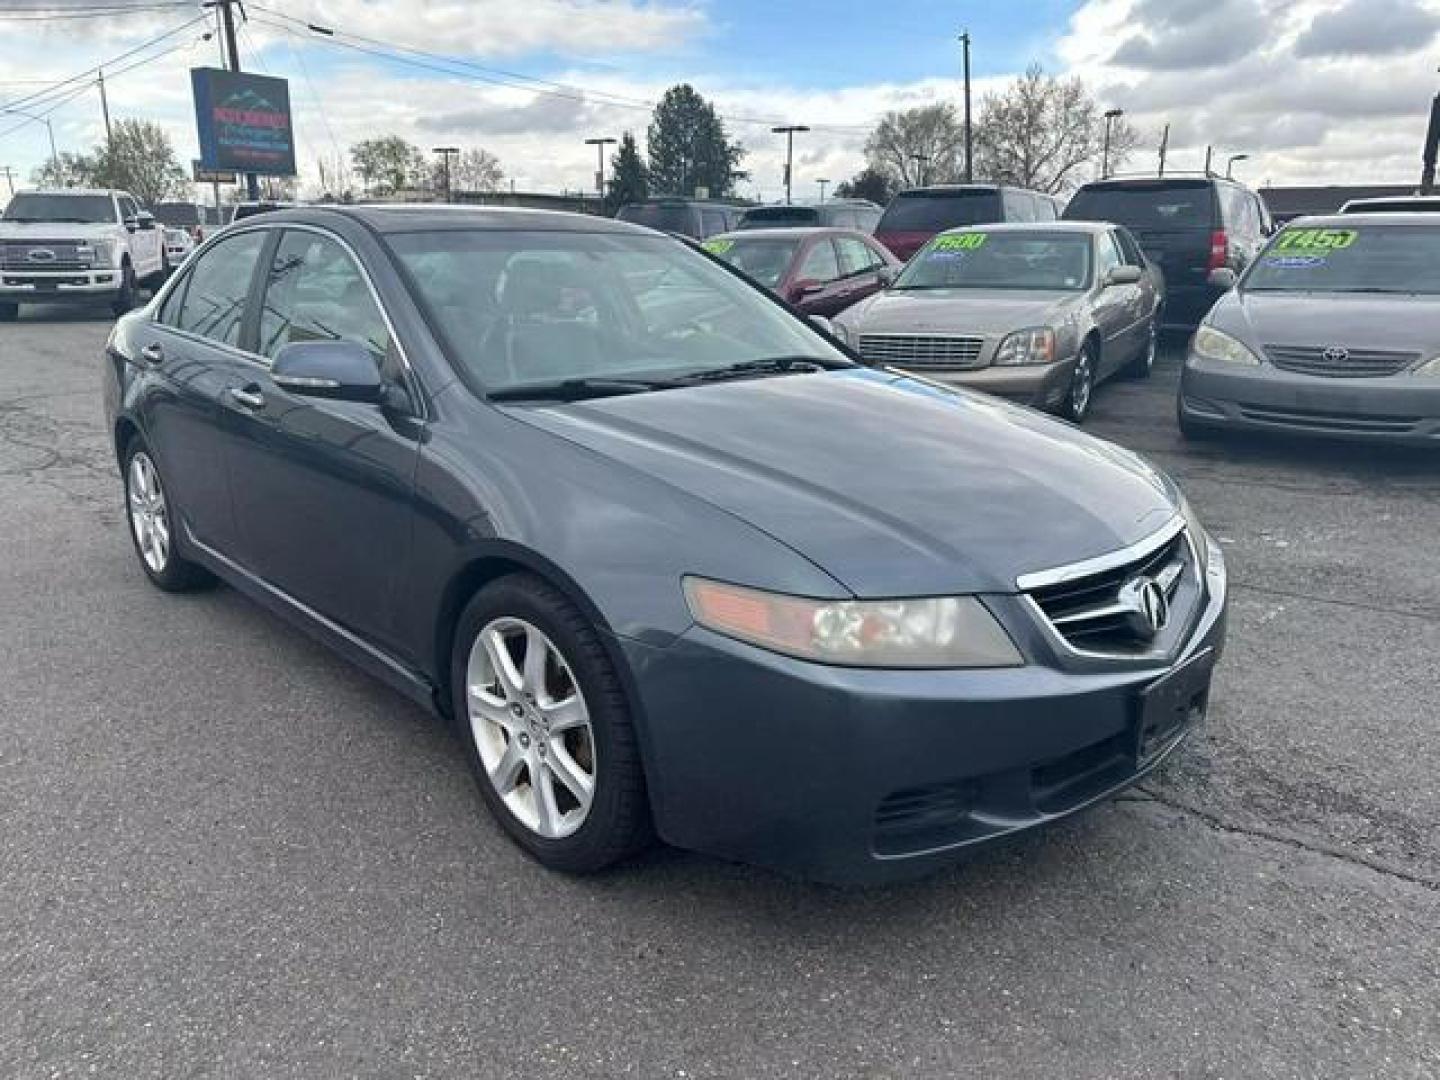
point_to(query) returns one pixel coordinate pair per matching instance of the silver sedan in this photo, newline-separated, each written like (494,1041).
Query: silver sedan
(1040,313)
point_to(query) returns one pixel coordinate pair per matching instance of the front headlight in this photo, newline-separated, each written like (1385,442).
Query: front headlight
(1212,344)
(1033,346)
(943,632)
(1197,531)
(1430,367)
(98,252)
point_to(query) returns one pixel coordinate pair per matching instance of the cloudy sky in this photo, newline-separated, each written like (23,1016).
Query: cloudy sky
(1315,91)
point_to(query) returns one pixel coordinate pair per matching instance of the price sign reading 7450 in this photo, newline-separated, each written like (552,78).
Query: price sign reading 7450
(1316,239)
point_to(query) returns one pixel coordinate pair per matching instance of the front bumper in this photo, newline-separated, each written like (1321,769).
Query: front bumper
(858,776)
(55,286)
(1042,386)
(1402,409)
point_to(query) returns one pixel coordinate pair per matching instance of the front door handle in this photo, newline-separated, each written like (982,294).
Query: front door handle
(153,354)
(247,399)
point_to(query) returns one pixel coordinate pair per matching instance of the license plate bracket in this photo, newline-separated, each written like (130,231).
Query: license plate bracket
(1172,704)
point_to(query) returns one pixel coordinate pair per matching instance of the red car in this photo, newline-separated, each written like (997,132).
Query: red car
(820,271)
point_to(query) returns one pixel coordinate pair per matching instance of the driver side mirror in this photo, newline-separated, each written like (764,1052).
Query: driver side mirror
(145,221)
(1222,278)
(1124,275)
(887,274)
(803,288)
(339,370)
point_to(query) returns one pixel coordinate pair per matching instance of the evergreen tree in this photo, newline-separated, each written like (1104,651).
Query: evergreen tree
(690,148)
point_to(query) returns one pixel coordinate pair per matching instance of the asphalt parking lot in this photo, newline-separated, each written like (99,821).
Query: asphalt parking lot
(224,853)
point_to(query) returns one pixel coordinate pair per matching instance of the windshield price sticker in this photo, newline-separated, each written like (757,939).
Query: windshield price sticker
(1295,262)
(718,247)
(1316,239)
(959,242)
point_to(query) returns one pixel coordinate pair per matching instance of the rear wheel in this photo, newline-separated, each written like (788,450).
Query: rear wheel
(547,727)
(9,312)
(1082,385)
(152,524)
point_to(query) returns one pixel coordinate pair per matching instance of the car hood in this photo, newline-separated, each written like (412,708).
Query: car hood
(1404,323)
(57,230)
(893,486)
(979,311)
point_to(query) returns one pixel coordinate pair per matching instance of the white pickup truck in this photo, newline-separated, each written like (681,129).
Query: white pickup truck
(73,245)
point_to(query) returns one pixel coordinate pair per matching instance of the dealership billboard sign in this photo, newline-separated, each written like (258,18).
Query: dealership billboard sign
(243,122)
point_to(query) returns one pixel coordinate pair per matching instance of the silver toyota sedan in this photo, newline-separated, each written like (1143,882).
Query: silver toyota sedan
(1334,329)
(1041,313)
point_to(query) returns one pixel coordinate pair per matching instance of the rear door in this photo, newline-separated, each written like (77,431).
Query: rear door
(190,353)
(322,489)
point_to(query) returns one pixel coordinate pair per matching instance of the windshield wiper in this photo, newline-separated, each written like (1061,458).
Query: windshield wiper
(577,389)
(770,365)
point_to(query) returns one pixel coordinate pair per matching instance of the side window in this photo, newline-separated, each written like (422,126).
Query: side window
(820,263)
(712,222)
(215,295)
(855,257)
(169,313)
(1109,256)
(1045,208)
(128,209)
(1129,250)
(315,292)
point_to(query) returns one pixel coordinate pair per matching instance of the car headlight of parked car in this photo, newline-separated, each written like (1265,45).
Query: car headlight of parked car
(1035,345)
(1212,344)
(1197,531)
(1430,367)
(940,632)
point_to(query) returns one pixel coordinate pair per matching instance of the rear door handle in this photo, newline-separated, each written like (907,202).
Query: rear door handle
(153,354)
(247,399)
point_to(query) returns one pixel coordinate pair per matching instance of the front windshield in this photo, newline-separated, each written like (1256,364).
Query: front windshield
(762,260)
(72,209)
(1000,260)
(1369,259)
(523,309)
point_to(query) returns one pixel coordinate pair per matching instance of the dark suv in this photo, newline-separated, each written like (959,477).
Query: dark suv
(1190,226)
(695,218)
(861,214)
(915,216)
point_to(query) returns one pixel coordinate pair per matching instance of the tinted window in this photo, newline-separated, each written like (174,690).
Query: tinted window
(1107,254)
(1382,259)
(1146,206)
(855,255)
(80,209)
(933,213)
(1129,249)
(1000,260)
(820,263)
(214,304)
(128,209)
(765,259)
(315,292)
(773,217)
(540,307)
(667,217)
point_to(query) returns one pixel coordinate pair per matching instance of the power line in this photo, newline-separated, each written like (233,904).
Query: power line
(40,15)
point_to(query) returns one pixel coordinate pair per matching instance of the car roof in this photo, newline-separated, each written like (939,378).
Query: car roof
(73,191)
(1035,226)
(797,232)
(432,217)
(1151,182)
(1380,217)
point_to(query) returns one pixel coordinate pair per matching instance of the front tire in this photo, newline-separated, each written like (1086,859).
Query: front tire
(126,298)
(547,728)
(152,521)
(1082,385)
(1144,364)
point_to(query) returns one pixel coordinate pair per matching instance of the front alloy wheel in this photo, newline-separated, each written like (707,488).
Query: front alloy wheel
(1082,386)
(152,524)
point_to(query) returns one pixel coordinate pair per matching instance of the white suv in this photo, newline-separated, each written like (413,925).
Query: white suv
(74,245)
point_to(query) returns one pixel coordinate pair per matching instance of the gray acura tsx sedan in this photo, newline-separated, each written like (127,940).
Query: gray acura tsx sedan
(1039,313)
(1333,330)
(666,556)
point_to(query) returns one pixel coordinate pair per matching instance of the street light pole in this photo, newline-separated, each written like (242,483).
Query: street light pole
(789,132)
(600,144)
(969,148)
(1111,115)
(1230,164)
(445,153)
(49,127)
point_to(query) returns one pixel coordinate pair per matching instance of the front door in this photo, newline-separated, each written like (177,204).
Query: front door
(322,489)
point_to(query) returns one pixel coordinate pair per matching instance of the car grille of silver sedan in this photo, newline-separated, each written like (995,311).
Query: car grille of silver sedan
(922,351)
(1339,363)
(1108,613)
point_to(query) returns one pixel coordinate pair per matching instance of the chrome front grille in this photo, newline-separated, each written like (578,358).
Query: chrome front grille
(1102,612)
(1339,363)
(53,255)
(922,351)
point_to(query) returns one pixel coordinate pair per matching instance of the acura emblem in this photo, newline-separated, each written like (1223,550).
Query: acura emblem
(1336,354)
(41,255)
(1145,605)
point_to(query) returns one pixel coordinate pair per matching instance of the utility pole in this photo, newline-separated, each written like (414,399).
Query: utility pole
(105,109)
(445,152)
(9,177)
(969,145)
(789,133)
(232,51)
(1432,141)
(600,144)
(1164,145)
(822,184)
(1111,115)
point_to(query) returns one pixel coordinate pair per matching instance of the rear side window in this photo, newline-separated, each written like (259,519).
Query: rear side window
(1129,248)
(315,292)
(820,263)
(931,213)
(855,255)
(215,295)
(1146,206)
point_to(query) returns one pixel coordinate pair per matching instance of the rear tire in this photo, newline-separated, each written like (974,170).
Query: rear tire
(125,299)
(589,808)
(9,312)
(152,520)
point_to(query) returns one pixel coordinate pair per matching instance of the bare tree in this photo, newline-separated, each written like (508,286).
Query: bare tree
(476,170)
(917,146)
(1045,133)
